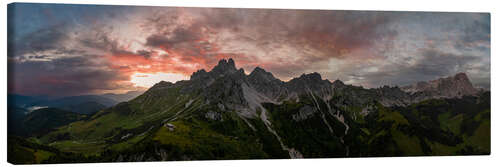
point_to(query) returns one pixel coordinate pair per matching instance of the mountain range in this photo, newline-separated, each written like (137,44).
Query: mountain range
(226,114)
(83,104)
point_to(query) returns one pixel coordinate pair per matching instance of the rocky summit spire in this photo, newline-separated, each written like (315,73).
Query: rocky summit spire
(225,66)
(230,62)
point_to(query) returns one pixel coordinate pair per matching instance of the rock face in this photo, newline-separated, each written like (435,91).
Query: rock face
(224,67)
(265,83)
(308,82)
(213,116)
(304,113)
(450,87)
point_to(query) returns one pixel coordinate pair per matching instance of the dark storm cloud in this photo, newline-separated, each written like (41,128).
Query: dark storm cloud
(100,39)
(431,65)
(41,40)
(436,63)
(47,65)
(64,76)
(179,35)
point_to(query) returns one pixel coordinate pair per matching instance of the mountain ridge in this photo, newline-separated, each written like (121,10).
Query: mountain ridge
(273,88)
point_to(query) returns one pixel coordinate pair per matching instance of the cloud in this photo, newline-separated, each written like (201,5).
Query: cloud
(100,50)
(476,34)
(65,76)
(431,64)
(43,39)
(178,36)
(61,63)
(300,38)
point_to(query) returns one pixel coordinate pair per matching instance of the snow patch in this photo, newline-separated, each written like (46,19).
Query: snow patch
(126,136)
(188,103)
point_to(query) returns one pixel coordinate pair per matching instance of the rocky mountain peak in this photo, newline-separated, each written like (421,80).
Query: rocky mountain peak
(308,83)
(454,86)
(461,77)
(265,83)
(160,85)
(198,74)
(225,66)
(310,77)
(258,70)
(261,74)
(338,83)
(230,61)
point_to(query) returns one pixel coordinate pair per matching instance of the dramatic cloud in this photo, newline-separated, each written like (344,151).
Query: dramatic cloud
(72,49)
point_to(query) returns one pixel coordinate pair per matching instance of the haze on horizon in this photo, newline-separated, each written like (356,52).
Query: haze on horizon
(56,49)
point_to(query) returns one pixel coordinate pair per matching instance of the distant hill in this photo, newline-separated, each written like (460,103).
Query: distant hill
(24,101)
(44,120)
(86,104)
(123,97)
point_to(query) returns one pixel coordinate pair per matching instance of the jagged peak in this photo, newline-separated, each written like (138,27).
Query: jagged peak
(201,70)
(222,61)
(225,65)
(338,82)
(309,79)
(164,83)
(230,61)
(260,73)
(198,74)
(461,76)
(161,84)
(311,76)
(258,70)
(452,86)
(241,70)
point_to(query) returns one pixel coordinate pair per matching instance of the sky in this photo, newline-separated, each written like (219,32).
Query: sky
(63,50)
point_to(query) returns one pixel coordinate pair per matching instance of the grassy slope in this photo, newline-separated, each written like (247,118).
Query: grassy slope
(433,127)
(201,138)
(103,129)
